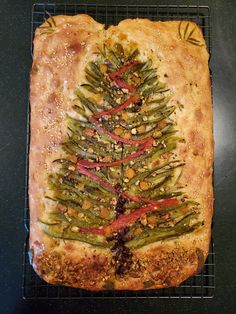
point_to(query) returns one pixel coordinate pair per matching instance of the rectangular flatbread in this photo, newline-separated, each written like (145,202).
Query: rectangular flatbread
(121,153)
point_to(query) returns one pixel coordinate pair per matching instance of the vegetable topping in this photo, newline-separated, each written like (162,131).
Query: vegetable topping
(118,185)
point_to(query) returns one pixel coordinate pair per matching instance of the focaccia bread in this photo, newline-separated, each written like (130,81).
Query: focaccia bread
(121,152)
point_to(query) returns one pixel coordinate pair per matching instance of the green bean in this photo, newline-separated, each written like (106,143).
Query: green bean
(158,234)
(167,135)
(66,198)
(109,99)
(71,193)
(65,195)
(81,112)
(90,88)
(112,56)
(160,183)
(119,50)
(93,81)
(93,75)
(140,120)
(150,79)
(141,176)
(164,173)
(147,66)
(155,128)
(86,101)
(133,55)
(76,125)
(88,182)
(64,162)
(158,195)
(64,233)
(155,185)
(160,87)
(55,218)
(170,209)
(146,74)
(73,149)
(152,108)
(158,100)
(95,70)
(154,154)
(175,218)
(158,153)
(80,147)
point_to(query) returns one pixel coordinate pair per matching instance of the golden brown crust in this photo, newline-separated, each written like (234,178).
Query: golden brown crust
(59,61)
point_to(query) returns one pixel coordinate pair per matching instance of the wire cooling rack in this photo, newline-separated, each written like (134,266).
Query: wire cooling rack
(113,14)
(198,286)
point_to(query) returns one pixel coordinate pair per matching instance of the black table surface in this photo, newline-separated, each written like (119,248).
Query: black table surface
(15,66)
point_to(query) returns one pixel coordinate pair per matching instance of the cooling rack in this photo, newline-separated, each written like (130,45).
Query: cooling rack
(113,14)
(198,286)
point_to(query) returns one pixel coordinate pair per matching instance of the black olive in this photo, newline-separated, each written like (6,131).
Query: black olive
(120,205)
(137,106)
(122,255)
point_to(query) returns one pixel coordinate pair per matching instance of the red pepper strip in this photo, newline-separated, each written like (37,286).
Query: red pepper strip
(104,183)
(130,100)
(96,178)
(128,219)
(115,75)
(122,70)
(138,198)
(92,230)
(125,85)
(107,185)
(129,157)
(116,137)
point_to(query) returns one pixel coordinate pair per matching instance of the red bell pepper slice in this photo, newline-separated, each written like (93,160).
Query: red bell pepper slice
(135,198)
(96,178)
(104,183)
(115,76)
(130,100)
(123,84)
(98,231)
(122,70)
(129,157)
(116,137)
(129,219)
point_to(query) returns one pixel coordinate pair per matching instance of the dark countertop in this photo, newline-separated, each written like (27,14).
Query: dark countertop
(15,65)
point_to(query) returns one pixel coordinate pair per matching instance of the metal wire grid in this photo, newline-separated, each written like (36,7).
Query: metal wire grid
(198,286)
(113,14)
